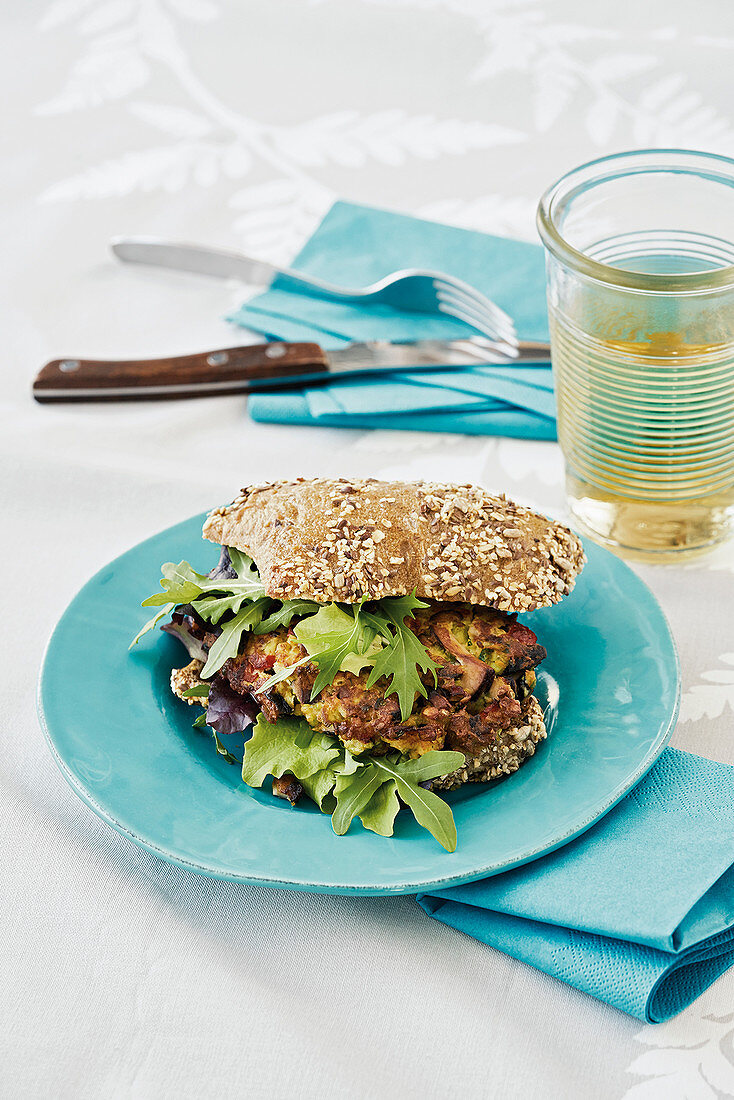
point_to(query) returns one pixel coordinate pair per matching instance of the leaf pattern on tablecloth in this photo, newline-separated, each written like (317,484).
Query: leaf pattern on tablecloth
(691,1058)
(349,138)
(505,215)
(573,66)
(576,65)
(126,40)
(712,698)
(273,219)
(122,40)
(164,167)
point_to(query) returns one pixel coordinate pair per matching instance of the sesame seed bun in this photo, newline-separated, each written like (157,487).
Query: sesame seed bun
(343,540)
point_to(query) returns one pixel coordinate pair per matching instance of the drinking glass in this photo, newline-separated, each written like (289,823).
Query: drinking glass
(640,275)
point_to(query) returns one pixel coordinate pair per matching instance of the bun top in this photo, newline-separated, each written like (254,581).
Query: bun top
(341,540)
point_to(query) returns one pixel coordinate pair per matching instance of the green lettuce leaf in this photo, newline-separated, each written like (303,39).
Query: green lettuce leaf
(320,785)
(283,746)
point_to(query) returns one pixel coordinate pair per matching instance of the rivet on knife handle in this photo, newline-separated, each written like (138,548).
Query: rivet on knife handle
(226,371)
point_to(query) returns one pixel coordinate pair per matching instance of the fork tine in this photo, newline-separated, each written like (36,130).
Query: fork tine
(487,351)
(496,328)
(496,318)
(478,322)
(472,298)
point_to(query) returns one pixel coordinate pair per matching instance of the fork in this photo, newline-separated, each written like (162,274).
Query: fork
(409,289)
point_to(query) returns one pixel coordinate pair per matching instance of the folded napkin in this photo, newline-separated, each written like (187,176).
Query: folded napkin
(353,246)
(638,911)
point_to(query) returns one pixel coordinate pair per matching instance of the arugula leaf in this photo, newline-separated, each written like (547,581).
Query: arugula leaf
(243,598)
(198,691)
(430,766)
(336,639)
(243,565)
(151,623)
(273,750)
(284,673)
(352,793)
(346,786)
(182,584)
(212,608)
(285,614)
(429,810)
(223,751)
(200,722)
(403,655)
(380,812)
(228,643)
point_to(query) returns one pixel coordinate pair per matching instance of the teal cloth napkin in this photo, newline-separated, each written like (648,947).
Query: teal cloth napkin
(355,245)
(638,911)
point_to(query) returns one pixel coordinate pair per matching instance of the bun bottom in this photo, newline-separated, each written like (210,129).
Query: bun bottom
(512,747)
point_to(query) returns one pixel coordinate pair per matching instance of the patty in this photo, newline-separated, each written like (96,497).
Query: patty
(503,753)
(485,674)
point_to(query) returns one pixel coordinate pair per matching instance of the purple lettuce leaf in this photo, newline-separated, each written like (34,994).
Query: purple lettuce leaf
(189,632)
(224,568)
(227,711)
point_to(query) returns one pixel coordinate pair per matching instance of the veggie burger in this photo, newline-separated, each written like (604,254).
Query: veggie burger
(367,631)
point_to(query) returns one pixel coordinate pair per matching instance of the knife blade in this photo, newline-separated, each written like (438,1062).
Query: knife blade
(257,367)
(222,263)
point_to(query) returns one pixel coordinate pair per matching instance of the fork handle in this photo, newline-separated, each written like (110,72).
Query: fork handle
(224,264)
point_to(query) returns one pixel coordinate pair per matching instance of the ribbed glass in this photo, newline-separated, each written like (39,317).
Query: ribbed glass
(640,260)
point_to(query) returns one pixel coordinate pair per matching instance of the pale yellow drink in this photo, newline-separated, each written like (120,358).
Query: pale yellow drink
(641,305)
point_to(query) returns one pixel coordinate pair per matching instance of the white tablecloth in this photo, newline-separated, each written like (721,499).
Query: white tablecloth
(237,123)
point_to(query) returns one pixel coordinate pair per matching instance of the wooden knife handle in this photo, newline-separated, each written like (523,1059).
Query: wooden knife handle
(226,371)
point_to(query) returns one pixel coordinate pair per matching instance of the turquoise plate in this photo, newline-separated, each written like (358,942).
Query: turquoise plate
(610,686)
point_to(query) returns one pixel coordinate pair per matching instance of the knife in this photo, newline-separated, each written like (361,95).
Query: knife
(260,367)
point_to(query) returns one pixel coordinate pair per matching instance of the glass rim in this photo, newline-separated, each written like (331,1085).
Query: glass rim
(588,175)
